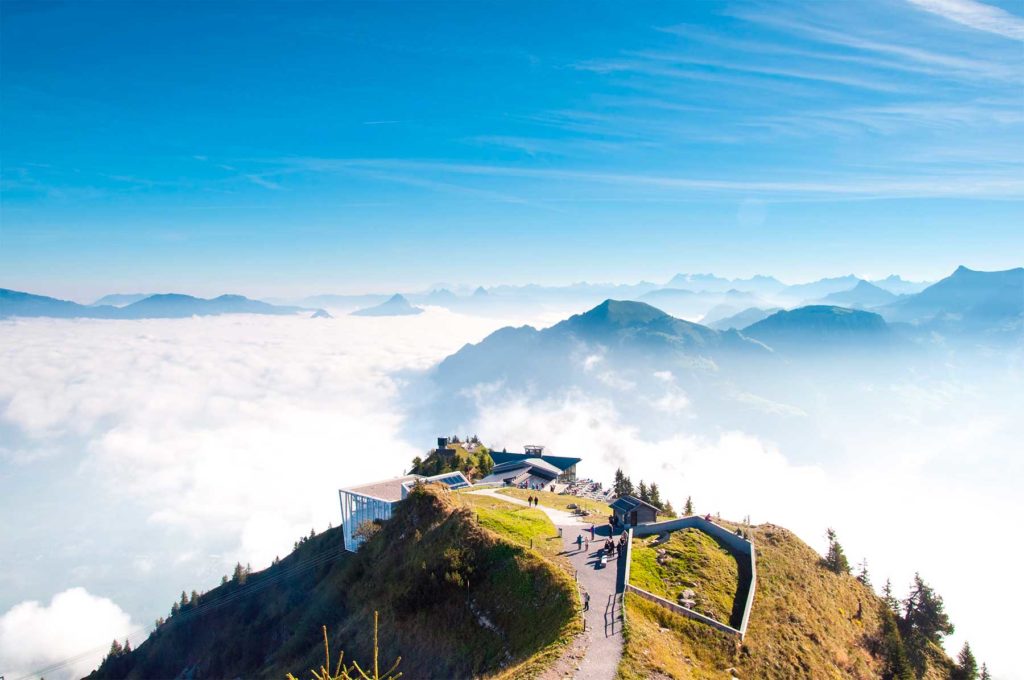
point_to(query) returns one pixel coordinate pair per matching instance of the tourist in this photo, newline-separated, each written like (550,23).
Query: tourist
(586,602)
(529,501)
(591,532)
(579,542)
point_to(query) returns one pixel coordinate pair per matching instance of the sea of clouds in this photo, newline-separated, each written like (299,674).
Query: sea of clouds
(142,458)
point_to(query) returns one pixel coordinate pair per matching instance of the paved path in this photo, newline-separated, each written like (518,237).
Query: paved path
(605,585)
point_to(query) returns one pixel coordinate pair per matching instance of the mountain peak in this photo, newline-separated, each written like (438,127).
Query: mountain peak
(622,313)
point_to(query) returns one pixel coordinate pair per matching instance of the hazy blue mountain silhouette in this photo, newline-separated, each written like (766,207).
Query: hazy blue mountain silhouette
(821,328)
(120,299)
(625,335)
(747,317)
(163,306)
(17,303)
(863,295)
(900,286)
(396,305)
(815,290)
(966,301)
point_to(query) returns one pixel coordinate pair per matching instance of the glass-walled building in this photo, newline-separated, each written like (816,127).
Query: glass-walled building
(376,501)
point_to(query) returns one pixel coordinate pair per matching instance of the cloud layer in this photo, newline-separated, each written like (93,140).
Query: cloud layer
(75,625)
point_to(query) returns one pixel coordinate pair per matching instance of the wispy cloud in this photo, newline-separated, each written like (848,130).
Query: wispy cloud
(997,185)
(976,15)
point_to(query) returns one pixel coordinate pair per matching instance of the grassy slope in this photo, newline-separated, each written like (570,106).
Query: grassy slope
(803,625)
(600,511)
(698,562)
(528,527)
(455,600)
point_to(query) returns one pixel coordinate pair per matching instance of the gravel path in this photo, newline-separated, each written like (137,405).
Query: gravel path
(604,618)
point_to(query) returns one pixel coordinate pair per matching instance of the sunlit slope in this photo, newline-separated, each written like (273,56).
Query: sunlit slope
(455,600)
(807,622)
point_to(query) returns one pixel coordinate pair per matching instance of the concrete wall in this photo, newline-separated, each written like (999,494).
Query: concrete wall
(681,610)
(741,545)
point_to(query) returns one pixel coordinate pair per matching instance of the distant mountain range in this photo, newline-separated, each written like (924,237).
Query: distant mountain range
(120,299)
(862,295)
(396,305)
(163,306)
(820,328)
(747,317)
(966,301)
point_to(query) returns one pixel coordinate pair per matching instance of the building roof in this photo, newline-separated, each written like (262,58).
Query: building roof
(391,489)
(535,463)
(563,463)
(385,490)
(629,503)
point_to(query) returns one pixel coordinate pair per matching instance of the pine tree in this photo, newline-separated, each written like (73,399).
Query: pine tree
(115,650)
(645,495)
(985,675)
(183,602)
(862,573)
(628,486)
(127,647)
(925,612)
(238,576)
(175,608)
(223,579)
(891,603)
(897,663)
(669,510)
(966,665)
(655,495)
(688,508)
(620,483)
(836,560)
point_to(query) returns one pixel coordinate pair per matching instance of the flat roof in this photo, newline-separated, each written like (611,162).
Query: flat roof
(386,490)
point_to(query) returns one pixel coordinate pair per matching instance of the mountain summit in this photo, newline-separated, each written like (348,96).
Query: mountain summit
(396,305)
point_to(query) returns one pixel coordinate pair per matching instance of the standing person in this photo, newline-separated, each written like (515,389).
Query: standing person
(529,501)
(579,542)
(586,602)
(591,532)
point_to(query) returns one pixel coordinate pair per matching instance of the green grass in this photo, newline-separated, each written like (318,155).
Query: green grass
(695,561)
(525,526)
(599,510)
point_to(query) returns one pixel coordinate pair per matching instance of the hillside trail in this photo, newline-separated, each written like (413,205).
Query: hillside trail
(603,635)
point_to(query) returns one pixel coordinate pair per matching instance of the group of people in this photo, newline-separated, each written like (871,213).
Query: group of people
(532,501)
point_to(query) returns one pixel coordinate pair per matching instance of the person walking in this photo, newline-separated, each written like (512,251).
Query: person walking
(591,532)
(586,602)
(529,501)
(579,542)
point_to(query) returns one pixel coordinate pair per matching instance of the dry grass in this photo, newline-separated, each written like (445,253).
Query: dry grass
(693,560)
(807,623)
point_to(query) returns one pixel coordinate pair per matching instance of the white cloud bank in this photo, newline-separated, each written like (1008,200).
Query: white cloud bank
(75,625)
(222,439)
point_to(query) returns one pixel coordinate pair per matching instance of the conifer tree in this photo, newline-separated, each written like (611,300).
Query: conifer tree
(184,600)
(669,510)
(127,647)
(238,576)
(862,572)
(175,608)
(655,496)
(966,665)
(835,559)
(645,495)
(115,650)
(891,603)
(985,675)
(619,486)
(925,612)
(688,508)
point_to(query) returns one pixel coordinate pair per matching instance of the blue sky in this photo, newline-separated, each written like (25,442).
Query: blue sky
(284,149)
